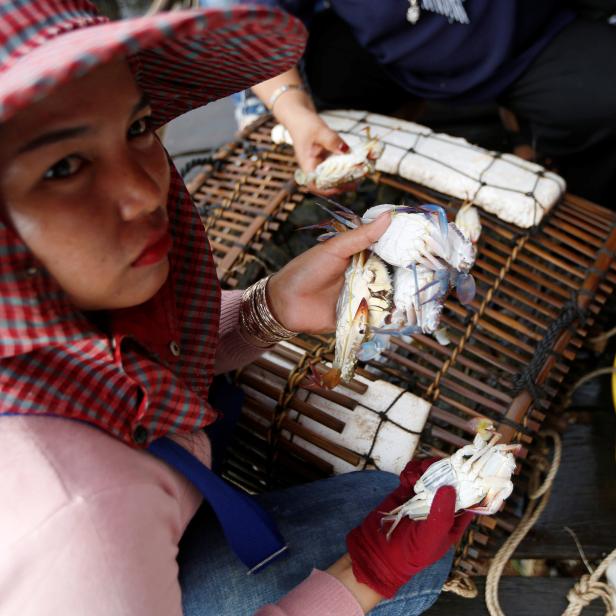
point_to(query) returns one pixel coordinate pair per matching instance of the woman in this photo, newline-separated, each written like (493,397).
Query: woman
(113,325)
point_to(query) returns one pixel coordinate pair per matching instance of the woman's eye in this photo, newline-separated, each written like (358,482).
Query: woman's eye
(140,127)
(64,168)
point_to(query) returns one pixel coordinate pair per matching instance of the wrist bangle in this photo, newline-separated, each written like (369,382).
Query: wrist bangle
(278,92)
(257,320)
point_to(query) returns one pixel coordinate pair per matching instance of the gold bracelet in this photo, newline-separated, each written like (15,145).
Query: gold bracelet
(257,320)
(278,92)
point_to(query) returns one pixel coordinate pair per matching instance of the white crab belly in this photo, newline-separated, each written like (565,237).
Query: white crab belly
(443,473)
(409,311)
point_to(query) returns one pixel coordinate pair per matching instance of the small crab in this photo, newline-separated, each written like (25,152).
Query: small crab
(363,305)
(339,169)
(480,473)
(421,236)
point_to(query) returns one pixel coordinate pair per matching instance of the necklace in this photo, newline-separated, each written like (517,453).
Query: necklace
(453,10)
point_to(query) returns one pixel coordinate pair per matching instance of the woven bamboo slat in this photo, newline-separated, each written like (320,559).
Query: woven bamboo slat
(539,291)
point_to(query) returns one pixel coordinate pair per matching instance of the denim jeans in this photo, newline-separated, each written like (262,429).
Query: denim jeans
(314,519)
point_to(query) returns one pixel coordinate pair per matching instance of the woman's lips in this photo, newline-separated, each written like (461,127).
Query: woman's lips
(154,252)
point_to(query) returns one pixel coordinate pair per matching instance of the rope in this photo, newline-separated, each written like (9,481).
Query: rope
(527,378)
(604,336)
(539,497)
(461,584)
(433,392)
(590,588)
(587,377)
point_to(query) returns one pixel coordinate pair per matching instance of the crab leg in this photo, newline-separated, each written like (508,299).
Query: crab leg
(465,288)
(341,219)
(431,208)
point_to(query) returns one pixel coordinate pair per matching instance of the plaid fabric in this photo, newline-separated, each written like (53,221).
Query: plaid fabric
(54,361)
(186,59)
(149,374)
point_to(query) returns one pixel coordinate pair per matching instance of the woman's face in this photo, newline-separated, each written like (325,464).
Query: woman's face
(84,181)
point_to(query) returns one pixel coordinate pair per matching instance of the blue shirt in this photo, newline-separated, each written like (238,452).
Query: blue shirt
(435,59)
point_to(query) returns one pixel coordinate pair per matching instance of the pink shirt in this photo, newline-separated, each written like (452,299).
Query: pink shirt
(91,526)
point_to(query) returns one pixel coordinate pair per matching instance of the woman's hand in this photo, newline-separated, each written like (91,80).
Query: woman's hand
(303,294)
(313,142)
(383,564)
(312,139)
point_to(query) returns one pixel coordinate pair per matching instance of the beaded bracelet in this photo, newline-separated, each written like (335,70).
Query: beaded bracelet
(257,320)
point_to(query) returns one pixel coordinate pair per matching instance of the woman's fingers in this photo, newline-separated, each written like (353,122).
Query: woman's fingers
(332,141)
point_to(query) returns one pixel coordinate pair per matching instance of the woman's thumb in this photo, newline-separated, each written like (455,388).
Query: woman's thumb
(351,242)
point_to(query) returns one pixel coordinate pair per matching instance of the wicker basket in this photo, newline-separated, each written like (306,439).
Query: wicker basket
(539,291)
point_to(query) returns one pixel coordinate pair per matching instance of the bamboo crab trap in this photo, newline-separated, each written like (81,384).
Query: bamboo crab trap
(539,291)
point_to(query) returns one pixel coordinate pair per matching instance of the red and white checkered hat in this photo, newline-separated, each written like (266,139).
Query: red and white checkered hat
(182,60)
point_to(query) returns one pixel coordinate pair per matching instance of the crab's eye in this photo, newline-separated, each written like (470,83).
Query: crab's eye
(65,168)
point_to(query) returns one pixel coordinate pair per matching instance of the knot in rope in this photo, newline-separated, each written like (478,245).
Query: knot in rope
(461,584)
(587,590)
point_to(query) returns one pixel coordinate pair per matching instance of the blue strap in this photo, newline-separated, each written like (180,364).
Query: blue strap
(249,529)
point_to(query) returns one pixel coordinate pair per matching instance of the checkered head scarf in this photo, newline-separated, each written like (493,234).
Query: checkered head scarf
(53,360)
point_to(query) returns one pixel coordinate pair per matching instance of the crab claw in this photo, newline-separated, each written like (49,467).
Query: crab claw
(465,288)
(373,348)
(493,500)
(432,208)
(338,206)
(317,381)
(442,280)
(405,331)
(331,378)
(483,427)
(340,218)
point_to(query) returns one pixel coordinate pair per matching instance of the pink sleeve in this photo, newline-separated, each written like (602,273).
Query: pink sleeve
(233,351)
(320,593)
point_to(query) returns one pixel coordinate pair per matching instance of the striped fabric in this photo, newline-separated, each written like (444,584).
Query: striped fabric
(186,59)
(149,374)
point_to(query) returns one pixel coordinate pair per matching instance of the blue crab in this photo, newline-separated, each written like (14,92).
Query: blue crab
(427,255)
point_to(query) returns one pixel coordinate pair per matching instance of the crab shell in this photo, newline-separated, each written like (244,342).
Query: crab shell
(480,473)
(406,240)
(339,169)
(365,300)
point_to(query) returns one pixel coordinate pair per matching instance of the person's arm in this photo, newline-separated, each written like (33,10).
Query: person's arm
(342,570)
(302,296)
(377,565)
(233,351)
(293,107)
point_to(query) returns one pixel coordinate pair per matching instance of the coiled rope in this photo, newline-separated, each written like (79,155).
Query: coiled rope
(589,587)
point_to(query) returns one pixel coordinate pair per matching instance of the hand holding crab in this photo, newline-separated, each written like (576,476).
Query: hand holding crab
(481,474)
(385,564)
(427,254)
(303,294)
